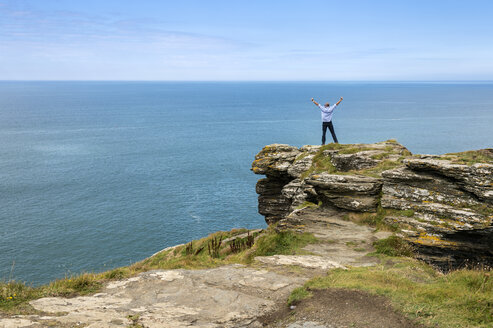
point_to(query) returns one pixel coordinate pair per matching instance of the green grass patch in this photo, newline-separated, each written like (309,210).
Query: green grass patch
(471,157)
(301,156)
(354,150)
(394,246)
(376,171)
(334,146)
(320,163)
(408,213)
(376,219)
(461,298)
(135,321)
(283,243)
(298,294)
(309,204)
(14,295)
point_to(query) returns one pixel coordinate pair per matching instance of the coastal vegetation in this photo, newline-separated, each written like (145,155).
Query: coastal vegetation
(470,157)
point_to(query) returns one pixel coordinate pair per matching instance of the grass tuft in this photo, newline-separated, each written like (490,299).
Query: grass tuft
(462,298)
(298,294)
(394,246)
(471,157)
(283,243)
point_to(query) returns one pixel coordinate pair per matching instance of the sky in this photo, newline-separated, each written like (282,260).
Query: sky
(252,40)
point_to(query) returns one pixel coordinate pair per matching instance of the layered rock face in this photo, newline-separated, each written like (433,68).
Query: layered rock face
(441,204)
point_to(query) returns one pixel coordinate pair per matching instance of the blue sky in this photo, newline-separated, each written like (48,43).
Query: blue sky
(246,40)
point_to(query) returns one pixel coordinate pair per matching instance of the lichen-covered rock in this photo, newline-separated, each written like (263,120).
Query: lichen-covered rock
(274,160)
(425,187)
(438,202)
(351,162)
(350,192)
(298,192)
(476,178)
(343,184)
(449,204)
(302,163)
(296,176)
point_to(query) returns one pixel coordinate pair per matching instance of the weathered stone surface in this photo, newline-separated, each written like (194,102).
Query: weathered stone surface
(300,165)
(350,192)
(299,192)
(18,323)
(271,202)
(274,160)
(273,208)
(231,296)
(476,178)
(447,201)
(345,183)
(357,161)
(306,261)
(425,186)
(292,188)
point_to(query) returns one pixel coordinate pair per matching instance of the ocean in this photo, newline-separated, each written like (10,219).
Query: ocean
(96,175)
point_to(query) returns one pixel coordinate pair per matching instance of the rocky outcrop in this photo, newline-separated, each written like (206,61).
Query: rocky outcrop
(441,204)
(344,176)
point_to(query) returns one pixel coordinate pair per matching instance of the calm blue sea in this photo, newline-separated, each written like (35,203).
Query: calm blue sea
(96,175)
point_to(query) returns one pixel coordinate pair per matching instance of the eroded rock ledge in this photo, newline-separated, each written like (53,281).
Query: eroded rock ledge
(443,204)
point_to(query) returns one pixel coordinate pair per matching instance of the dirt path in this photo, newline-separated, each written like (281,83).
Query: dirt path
(339,308)
(342,243)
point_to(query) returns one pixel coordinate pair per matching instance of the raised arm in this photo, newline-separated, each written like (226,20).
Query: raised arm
(316,103)
(337,103)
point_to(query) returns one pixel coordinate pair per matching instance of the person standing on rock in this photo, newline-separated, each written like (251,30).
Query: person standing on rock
(327,119)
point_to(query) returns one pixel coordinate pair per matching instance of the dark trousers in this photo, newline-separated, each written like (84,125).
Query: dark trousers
(329,125)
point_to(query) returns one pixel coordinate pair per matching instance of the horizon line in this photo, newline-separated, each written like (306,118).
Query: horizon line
(288,81)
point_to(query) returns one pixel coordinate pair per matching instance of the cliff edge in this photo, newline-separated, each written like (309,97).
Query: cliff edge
(441,204)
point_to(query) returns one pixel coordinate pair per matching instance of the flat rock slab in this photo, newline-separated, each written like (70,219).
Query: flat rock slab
(306,261)
(307,324)
(229,296)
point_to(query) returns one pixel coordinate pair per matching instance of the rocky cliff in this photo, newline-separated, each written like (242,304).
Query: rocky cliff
(442,204)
